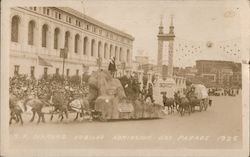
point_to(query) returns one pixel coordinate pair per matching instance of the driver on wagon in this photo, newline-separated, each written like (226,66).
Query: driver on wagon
(191,92)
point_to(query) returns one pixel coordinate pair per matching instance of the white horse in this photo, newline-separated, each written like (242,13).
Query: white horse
(81,107)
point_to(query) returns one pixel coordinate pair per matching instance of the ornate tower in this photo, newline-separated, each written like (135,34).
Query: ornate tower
(171,49)
(169,37)
(167,83)
(160,48)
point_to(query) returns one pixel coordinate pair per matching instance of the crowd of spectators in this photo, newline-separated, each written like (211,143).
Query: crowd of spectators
(44,87)
(75,86)
(223,91)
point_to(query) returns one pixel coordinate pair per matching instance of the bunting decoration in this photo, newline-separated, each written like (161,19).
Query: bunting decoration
(186,50)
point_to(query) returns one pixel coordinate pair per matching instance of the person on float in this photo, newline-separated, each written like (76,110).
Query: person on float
(112,67)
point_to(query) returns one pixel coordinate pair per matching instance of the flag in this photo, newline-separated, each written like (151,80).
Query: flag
(43,62)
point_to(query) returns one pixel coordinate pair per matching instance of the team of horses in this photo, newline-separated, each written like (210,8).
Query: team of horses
(185,104)
(57,104)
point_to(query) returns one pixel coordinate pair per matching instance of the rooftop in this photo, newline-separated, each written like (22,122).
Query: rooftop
(94,21)
(218,61)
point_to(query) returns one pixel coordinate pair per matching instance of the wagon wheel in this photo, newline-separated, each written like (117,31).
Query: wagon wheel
(102,117)
(96,115)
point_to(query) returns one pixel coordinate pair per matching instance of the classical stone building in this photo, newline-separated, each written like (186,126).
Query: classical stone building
(39,33)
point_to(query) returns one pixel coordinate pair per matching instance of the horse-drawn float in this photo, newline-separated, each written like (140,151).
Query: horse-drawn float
(109,101)
(199,97)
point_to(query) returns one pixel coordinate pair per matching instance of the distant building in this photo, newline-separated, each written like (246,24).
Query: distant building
(142,60)
(38,33)
(148,67)
(135,66)
(219,73)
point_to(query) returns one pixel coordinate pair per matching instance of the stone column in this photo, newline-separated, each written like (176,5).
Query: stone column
(39,34)
(61,38)
(102,50)
(23,31)
(159,58)
(51,39)
(95,47)
(170,58)
(88,45)
(130,56)
(71,44)
(80,46)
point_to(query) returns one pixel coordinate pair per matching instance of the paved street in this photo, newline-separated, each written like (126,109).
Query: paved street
(200,130)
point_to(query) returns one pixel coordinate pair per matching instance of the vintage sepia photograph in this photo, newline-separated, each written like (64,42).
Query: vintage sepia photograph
(125,78)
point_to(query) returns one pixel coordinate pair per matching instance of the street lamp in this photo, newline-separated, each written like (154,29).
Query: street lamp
(64,55)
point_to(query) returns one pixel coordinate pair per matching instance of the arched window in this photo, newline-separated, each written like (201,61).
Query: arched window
(56,38)
(44,35)
(77,37)
(67,35)
(110,51)
(31,29)
(92,47)
(85,44)
(15,28)
(120,55)
(105,50)
(99,49)
(128,56)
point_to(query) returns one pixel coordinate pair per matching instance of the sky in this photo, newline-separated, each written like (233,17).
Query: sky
(196,23)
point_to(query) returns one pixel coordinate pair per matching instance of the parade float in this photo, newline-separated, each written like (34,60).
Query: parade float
(108,99)
(201,92)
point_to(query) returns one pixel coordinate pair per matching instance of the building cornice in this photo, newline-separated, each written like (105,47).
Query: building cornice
(94,21)
(75,27)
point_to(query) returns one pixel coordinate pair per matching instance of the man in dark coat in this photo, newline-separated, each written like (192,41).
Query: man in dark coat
(112,67)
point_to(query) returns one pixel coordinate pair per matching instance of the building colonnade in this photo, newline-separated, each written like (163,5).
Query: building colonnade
(54,38)
(38,35)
